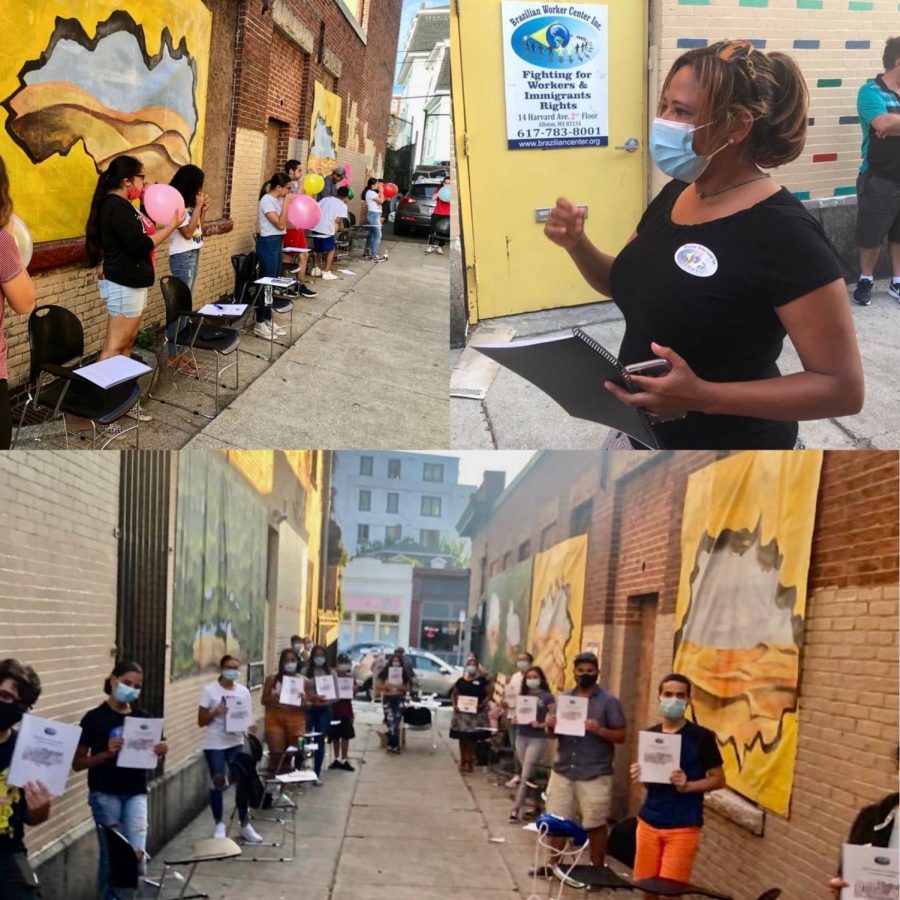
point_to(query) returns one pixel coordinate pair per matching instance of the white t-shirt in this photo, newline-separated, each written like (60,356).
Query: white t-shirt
(333,209)
(178,243)
(217,738)
(269,204)
(372,204)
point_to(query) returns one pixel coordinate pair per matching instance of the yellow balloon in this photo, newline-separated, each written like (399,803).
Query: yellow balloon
(312,184)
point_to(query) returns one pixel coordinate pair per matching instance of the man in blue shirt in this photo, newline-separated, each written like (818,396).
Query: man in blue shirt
(878,182)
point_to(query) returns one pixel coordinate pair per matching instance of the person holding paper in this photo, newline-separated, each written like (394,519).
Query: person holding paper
(469,698)
(118,795)
(511,693)
(318,717)
(725,263)
(220,745)
(392,683)
(29,805)
(532,741)
(284,723)
(581,780)
(341,733)
(671,816)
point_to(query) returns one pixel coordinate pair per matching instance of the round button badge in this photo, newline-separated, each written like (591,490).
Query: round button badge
(695,259)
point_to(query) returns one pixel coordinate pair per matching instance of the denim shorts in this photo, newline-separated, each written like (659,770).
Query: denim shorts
(121,300)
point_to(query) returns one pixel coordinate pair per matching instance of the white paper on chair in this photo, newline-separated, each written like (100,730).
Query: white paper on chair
(395,675)
(140,737)
(112,371)
(237,715)
(222,309)
(296,776)
(345,688)
(325,687)
(277,282)
(467,704)
(659,755)
(44,752)
(526,710)
(346,272)
(571,714)
(295,249)
(292,689)
(871,872)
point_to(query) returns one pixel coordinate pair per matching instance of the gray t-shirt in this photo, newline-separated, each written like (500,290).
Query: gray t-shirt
(589,757)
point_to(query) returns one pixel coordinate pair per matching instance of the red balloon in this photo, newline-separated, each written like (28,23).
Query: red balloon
(391,190)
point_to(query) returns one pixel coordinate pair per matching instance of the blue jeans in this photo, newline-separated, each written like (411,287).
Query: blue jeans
(318,718)
(185,267)
(130,815)
(374,240)
(268,249)
(217,762)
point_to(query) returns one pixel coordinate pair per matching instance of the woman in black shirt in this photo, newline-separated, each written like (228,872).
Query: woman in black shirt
(118,796)
(724,263)
(470,720)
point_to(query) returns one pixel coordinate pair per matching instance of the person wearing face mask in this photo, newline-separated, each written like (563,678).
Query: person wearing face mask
(581,780)
(318,717)
(725,263)
(117,796)
(671,816)
(220,745)
(531,737)
(510,693)
(20,689)
(470,727)
(341,731)
(392,692)
(284,724)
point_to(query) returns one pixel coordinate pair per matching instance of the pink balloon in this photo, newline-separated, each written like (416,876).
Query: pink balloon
(304,212)
(162,202)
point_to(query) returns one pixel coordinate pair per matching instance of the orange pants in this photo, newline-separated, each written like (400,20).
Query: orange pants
(284,725)
(665,852)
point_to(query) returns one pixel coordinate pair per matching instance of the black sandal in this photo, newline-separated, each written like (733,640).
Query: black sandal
(541,872)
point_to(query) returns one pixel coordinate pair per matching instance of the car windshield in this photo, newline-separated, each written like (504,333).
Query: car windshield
(423,191)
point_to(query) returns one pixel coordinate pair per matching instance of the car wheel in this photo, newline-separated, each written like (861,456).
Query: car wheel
(399,229)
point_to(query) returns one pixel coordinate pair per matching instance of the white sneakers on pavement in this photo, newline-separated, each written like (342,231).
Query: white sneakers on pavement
(513,782)
(429,248)
(250,834)
(316,272)
(263,330)
(329,276)
(439,249)
(220,831)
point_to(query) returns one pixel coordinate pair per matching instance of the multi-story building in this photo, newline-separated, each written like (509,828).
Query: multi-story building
(387,498)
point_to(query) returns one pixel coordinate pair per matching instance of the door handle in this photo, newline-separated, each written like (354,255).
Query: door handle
(630,146)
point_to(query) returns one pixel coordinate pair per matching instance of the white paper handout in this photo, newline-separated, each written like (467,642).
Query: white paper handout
(346,272)
(277,282)
(222,309)
(571,714)
(659,755)
(140,736)
(292,690)
(295,249)
(467,704)
(112,371)
(44,752)
(871,872)
(237,714)
(526,710)
(395,675)
(345,688)
(325,687)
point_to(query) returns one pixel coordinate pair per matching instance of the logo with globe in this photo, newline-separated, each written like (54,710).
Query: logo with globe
(554,42)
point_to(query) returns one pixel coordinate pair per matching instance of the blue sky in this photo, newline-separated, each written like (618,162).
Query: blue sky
(409,10)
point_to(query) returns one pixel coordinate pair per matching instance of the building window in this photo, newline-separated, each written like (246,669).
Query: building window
(433,472)
(365,465)
(393,503)
(581,518)
(393,468)
(389,628)
(367,628)
(431,506)
(365,501)
(507,557)
(393,534)
(547,535)
(362,534)
(524,550)
(430,537)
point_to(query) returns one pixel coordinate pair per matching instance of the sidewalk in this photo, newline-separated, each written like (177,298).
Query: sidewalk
(408,828)
(515,414)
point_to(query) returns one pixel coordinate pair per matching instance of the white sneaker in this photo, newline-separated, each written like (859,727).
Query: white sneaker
(220,831)
(294,271)
(329,276)
(316,272)
(429,249)
(439,249)
(513,782)
(279,330)
(263,330)
(250,834)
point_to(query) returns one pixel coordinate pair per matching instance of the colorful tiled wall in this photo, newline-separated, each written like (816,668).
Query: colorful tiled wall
(838,44)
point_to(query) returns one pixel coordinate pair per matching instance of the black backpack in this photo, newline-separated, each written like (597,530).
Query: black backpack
(247,780)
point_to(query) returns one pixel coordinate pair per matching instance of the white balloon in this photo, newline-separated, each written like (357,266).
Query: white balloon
(22,236)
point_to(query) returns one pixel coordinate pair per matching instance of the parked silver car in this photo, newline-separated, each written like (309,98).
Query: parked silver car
(433,675)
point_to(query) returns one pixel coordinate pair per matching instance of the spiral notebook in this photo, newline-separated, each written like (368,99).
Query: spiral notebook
(571,367)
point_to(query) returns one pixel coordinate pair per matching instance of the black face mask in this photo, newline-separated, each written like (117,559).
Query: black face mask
(586,681)
(10,714)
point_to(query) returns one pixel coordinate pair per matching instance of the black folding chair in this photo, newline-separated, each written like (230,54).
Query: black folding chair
(56,340)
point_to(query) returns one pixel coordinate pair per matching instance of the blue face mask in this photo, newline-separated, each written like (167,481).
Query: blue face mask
(230,674)
(125,694)
(672,707)
(672,149)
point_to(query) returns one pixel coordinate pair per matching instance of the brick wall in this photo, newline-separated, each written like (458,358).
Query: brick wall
(58,590)
(837,45)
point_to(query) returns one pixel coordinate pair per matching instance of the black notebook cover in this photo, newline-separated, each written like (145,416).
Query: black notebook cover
(571,368)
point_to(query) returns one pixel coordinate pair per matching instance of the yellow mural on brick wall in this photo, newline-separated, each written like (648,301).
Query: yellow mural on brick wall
(325,130)
(84,82)
(745,546)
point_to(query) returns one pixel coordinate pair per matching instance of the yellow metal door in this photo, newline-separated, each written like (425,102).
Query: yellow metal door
(511,266)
